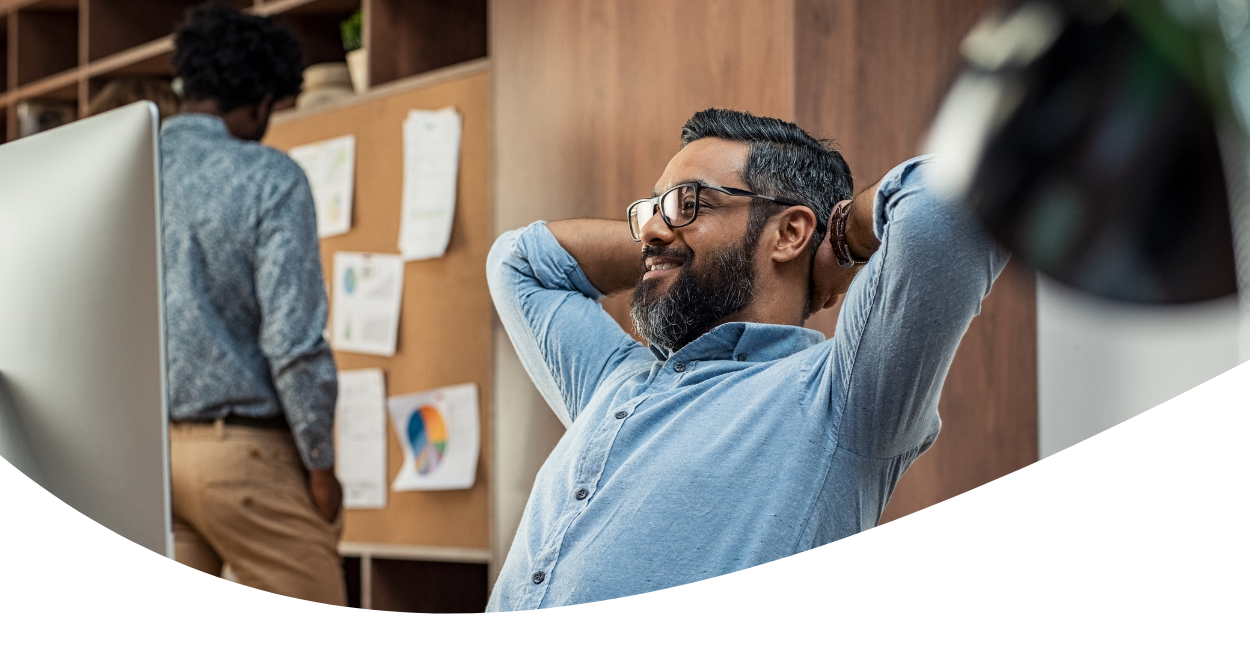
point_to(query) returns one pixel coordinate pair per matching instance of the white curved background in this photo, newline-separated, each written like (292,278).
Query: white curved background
(1136,538)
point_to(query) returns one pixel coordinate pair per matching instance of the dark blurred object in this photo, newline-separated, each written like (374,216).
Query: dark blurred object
(34,116)
(127,90)
(1092,152)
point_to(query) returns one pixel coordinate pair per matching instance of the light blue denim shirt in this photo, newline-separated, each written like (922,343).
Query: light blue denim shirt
(755,441)
(245,303)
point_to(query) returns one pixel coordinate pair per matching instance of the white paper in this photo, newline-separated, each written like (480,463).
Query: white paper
(367,293)
(439,433)
(360,448)
(431,159)
(331,169)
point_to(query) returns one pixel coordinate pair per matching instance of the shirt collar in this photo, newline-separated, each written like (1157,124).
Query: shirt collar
(199,122)
(757,342)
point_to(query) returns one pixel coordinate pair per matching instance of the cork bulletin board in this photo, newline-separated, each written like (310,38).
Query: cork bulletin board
(445,319)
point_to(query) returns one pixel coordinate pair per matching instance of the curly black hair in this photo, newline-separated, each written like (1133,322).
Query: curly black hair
(237,59)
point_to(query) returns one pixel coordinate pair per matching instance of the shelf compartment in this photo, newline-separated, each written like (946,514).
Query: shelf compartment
(315,25)
(427,586)
(151,58)
(46,39)
(61,90)
(409,37)
(118,25)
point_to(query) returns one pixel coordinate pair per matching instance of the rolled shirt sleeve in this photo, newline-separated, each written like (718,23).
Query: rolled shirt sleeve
(905,314)
(291,292)
(550,309)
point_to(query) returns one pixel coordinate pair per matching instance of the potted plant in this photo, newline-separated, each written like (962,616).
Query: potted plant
(357,55)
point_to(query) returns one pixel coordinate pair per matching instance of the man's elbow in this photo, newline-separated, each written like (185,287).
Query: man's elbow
(498,261)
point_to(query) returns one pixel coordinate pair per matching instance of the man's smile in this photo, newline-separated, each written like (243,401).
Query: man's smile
(658,266)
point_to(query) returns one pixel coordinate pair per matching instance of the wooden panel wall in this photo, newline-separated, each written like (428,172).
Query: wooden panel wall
(590,99)
(445,323)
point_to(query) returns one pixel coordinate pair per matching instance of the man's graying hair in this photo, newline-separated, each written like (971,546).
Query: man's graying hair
(784,162)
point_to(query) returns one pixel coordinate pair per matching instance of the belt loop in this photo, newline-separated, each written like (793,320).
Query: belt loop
(219,428)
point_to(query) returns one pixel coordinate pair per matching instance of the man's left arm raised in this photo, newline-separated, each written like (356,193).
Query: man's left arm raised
(905,314)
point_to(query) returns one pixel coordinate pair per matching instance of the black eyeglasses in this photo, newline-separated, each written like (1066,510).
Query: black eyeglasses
(679,205)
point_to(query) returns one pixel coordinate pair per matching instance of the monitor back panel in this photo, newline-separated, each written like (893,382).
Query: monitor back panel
(82,396)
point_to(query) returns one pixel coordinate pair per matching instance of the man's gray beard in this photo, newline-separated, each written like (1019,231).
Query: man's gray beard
(696,300)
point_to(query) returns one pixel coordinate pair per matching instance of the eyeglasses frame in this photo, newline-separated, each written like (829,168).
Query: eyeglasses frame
(657,203)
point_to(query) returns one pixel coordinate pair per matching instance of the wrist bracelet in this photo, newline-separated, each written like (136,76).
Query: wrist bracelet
(837,238)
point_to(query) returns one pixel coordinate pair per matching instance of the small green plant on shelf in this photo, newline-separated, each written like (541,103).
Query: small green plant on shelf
(351,30)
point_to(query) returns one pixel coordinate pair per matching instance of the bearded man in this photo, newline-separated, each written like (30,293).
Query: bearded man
(736,436)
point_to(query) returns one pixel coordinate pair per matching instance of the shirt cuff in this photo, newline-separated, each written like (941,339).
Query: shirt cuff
(317,452)
(553,266)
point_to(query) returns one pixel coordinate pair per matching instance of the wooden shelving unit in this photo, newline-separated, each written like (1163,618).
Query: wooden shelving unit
(68,49)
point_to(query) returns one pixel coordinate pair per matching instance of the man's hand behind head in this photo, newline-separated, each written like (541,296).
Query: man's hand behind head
(829,279)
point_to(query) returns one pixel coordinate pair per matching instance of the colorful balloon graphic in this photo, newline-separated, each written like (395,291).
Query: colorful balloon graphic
(428,435)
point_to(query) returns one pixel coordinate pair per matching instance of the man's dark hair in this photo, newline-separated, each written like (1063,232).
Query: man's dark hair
(237,59)
(785,162)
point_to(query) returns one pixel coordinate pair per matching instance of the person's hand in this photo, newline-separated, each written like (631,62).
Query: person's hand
(327,493)
(829,280)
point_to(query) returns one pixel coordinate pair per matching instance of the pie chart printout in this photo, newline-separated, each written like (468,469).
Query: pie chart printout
(439,432)
(427,433)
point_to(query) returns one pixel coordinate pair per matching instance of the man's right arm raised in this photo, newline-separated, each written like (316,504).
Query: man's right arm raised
(546,280)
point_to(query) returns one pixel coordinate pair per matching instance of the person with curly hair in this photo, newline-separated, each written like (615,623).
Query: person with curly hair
(252,383)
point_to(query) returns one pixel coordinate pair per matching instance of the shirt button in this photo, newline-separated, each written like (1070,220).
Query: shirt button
(538,577)
(742,357)
(621,415)
(581,494)
(679,367)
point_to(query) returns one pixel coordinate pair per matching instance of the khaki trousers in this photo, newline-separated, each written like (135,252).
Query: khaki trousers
(240,496)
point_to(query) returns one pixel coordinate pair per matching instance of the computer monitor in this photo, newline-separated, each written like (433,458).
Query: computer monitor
(82,351)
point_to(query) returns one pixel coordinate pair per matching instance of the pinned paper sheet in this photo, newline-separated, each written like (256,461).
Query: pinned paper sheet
(367,293)
(439,433)
(431,158)
(360,448)
(331,169)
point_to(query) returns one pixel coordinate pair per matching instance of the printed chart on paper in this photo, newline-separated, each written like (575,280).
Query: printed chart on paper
(439,433)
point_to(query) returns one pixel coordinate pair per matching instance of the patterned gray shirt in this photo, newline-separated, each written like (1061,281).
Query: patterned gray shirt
(245,302)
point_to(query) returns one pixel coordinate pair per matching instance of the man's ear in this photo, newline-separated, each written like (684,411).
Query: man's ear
(264,108)
(795,228)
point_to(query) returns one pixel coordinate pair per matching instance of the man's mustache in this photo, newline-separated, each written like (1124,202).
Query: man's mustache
(679,253)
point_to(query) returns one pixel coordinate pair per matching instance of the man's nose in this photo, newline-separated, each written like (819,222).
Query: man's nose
(657,231)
